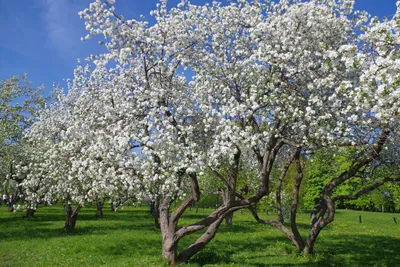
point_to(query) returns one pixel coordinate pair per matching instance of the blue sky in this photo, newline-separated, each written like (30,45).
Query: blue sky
(42,37)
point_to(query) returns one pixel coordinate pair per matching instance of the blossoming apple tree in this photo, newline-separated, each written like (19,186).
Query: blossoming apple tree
(19,103)
(208,89)
(77,147)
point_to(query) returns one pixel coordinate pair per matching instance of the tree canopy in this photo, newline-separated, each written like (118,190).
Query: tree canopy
(19,103)
(214,89)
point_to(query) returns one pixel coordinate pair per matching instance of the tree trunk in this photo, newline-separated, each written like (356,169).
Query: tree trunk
(278,194)
(10,208)
(171,233)
(325,217)
(99,206)
(169,249)
(154,211)
(226,199)
(229,219)
(298,240)
(316,228)
(11,204)
(200,243)
(30,212)
(309,247)
(326,206)
(169,223)
(168,228)
(70,221)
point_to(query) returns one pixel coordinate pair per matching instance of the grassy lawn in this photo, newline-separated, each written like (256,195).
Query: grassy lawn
(128,238)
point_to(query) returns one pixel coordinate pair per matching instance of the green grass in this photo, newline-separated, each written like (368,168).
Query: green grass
(128,238)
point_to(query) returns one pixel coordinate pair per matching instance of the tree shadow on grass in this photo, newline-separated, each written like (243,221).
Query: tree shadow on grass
(43,231)
(50,225)
(84,215)
(359,250)
(223,251)
(354,250)
(57,213)
(133,247)
(228,247)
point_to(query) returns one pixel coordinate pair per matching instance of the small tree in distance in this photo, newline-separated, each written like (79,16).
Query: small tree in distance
(19,104)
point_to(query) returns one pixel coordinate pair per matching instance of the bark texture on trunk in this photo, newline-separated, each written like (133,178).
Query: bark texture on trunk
(232,202)
(324,213)
(171,234)
(169,249)
(200,243)
(72,215)
(293,211)
(169,242)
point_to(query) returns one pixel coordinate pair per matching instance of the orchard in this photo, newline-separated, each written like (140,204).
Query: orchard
(290,104)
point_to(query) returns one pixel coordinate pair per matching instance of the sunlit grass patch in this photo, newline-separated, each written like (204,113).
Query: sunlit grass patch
(128,238)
